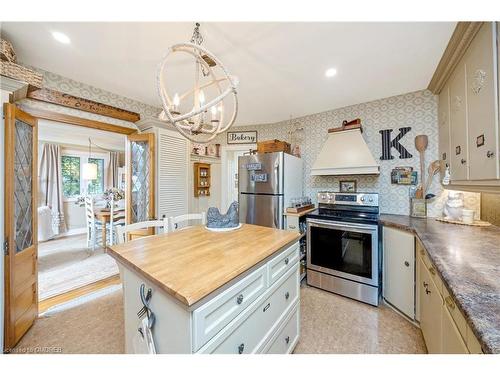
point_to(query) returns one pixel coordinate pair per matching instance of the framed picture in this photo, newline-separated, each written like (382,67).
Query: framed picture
(239,138)
(348,186)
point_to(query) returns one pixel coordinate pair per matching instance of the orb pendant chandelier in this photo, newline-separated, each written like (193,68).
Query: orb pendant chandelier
(204,118)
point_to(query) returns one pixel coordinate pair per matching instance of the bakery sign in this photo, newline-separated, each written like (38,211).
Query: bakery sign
(242,137)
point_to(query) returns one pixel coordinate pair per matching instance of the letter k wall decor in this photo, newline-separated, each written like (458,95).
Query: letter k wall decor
(388,144)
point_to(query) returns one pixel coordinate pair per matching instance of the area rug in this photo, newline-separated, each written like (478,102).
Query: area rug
(66,263)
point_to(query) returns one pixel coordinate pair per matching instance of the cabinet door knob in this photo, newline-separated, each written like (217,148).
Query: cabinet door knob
(286,261)
(239,300)
(407,264)
(463,161)
(292,227)
(287,340)
(241,348)
(287,295)
(490,154)
(425,284)
(427,291)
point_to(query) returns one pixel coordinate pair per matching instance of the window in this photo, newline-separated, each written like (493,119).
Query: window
(70,168)
(97,186)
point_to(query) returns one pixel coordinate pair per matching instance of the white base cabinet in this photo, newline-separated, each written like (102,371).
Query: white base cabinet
(399,270)
(255,313)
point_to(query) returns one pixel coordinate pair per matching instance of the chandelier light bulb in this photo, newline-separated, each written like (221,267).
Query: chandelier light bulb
(177,100)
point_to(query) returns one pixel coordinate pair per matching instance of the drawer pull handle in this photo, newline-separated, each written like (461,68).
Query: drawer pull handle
(463,161)
(239,300)
(286,261)
(292,227)
(425,284)
(407,264)
(287,340)
(241,348)
(287,295)
(450,303)
(427,291)
(266,307)
(490,154)
(432,270)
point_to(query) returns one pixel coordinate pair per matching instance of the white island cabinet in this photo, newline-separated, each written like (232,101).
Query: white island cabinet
(234,292)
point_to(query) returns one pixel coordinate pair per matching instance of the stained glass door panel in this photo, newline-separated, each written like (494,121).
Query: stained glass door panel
(140,179)
(21,292)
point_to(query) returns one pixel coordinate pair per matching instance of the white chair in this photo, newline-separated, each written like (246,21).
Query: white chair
(92,224)
(123,230)
(175,221)
(116,220)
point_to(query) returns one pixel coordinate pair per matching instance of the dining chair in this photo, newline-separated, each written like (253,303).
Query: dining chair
(92,224)
(123,230)
(176,220)
(116,220)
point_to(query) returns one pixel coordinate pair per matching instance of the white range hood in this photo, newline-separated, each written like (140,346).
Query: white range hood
(345,152)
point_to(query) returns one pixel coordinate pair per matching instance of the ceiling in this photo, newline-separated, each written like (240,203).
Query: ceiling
(281,66)
(51,131)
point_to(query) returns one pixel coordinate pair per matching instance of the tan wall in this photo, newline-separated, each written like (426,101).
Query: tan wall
(490,208)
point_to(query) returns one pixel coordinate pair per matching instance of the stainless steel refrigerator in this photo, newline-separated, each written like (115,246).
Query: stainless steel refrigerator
(266,183)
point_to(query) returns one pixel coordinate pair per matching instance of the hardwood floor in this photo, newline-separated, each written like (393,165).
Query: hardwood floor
(75,293)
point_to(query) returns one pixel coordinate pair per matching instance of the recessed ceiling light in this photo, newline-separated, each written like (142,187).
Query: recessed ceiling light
(331,72)
(60,37)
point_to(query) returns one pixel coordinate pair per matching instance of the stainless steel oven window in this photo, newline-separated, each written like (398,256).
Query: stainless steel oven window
(346,250)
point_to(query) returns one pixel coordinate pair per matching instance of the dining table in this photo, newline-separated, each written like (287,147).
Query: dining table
(104,216)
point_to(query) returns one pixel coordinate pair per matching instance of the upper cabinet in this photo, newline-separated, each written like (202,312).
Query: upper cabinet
(468,107)
(482,112)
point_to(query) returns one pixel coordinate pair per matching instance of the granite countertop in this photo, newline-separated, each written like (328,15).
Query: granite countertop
(468,260)
(190,264)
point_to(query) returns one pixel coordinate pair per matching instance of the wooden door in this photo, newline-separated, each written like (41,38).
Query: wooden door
(452,342)
(21,243)
(140,189)
(458,125)
(431,306)
(399,270)
(444,129)
(482,104)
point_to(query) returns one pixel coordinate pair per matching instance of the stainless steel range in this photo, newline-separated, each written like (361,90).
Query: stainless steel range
(342,245)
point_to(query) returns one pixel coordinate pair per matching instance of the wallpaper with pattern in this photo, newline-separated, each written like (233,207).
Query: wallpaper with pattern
(57,82)
(417,110)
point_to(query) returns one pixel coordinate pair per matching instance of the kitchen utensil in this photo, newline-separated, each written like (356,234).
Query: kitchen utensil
(421,142)
(433,169)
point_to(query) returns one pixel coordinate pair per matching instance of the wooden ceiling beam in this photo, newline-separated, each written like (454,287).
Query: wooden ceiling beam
(57,97)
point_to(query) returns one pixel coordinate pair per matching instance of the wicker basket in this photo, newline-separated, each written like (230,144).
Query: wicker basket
(7,51)
(20,73)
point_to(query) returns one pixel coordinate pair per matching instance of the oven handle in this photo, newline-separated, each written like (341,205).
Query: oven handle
(342,225)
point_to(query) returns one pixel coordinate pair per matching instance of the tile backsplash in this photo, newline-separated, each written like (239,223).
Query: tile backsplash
(417,110)
(490,208)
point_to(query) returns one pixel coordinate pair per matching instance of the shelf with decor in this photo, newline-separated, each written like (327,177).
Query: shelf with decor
(201,179)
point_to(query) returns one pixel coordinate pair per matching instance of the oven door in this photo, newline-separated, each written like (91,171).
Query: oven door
(347,250)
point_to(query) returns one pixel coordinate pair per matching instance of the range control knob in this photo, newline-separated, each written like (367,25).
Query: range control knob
(362,199)
(370,200)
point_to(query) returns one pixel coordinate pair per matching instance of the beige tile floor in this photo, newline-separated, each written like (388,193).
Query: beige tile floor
(334,324)
(329,324)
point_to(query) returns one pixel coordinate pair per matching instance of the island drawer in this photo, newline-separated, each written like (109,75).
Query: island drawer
(286,338)
(213,316)
(247,333)
(281,263)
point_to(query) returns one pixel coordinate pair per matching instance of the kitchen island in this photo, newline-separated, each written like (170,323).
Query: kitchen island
(214,292)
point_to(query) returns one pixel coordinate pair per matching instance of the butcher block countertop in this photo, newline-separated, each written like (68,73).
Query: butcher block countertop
(190,264)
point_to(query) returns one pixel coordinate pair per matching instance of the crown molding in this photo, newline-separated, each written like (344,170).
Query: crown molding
(458,44)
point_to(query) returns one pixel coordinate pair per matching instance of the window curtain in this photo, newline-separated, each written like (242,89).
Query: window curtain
(112,178)
(51,193)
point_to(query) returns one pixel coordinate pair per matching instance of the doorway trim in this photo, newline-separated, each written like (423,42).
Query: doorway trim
(225,173)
